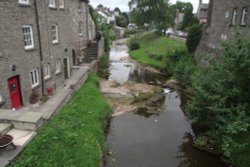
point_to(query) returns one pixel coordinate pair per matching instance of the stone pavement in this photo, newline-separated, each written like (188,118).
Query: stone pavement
(29,119)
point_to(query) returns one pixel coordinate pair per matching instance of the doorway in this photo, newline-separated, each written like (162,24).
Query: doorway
(66,68)
(74,59)
(15,92)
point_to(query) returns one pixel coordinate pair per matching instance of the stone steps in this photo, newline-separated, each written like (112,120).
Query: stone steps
(22,120)
(5,127)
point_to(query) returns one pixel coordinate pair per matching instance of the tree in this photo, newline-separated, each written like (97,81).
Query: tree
(100,6)
(117,10)
(122,20)
(194,37)
(189,19)
(221,99)
(153,13)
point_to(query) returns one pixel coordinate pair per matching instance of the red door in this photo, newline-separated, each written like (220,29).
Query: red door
(15,94)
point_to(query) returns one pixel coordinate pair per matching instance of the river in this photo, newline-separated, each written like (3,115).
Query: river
(150,140)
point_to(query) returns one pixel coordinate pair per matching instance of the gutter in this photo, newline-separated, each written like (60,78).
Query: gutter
(40,46)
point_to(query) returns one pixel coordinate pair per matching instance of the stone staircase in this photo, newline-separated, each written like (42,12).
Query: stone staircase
(91,52)
(9,119)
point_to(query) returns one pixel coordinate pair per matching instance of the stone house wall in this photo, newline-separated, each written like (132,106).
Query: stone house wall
(220,26)
(72,39)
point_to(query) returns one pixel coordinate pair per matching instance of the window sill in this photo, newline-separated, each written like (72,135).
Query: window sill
(58,73)
(55,43)
(24,4)
(53,7)
(35,86)
(243,25)
(47,78)
(62,8)
(29,49)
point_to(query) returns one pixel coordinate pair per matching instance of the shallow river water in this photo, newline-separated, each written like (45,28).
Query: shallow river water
(158,140)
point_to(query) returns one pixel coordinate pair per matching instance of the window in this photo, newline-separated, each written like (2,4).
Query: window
(54,33)
(244,16)
(80,28)
(46,71)
(52,3)
(34,78)
(28,37)
(79,7)
(58,67)
(234,17)
(25,2)
(61,4)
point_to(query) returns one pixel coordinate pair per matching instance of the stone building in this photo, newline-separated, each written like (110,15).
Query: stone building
(226,17)
(202,12)
(40,41)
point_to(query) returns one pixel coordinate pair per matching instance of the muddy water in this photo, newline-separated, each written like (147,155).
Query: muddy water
(142,140)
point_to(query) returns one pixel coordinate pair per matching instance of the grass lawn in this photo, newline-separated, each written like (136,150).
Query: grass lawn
(74,137)
(154,48)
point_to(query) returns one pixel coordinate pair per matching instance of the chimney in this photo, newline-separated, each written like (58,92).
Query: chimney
(200,2)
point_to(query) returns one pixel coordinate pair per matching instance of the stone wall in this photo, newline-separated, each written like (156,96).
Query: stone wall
(12,52)
(220,26)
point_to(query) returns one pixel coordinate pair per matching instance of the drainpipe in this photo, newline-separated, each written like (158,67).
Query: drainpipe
(40,46)
(87,20)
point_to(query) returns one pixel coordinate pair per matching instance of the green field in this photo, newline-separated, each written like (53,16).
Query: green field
(73,137)
(153,50)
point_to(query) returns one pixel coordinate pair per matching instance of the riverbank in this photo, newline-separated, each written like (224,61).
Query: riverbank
(73,137)
(154,50)
(217,105)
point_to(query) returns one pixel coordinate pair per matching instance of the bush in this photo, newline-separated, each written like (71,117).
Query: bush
(106,36)
(221,101)
(134,44)
(194,37)
(130,32)
(103,66)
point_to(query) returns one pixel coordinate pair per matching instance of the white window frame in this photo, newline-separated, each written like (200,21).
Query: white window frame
(34,78)
(244,16)
(80,28)
(54,33)
(28,37)
(234,19)
(46,71)
(61,4)
(58,67)
(52,3)
(23,2)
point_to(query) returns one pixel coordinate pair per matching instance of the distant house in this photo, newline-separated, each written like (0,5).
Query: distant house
(225,17)
(178,19)
(202,12)
(40,42)
(107,15)
(119,31)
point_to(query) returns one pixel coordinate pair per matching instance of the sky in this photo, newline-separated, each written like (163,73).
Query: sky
(123,4)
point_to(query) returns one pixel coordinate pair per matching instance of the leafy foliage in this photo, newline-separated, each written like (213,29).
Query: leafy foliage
(103,66)
(106,35)
(122,20)
(221,100)
(151,13)
(134,44)
(194,37)
(181,65)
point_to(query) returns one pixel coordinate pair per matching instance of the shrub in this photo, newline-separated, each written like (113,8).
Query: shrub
(134,44)
(221,101)
(106,36)
(194,37)
(103,66)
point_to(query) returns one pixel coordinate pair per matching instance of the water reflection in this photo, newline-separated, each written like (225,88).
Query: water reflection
(151,140)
